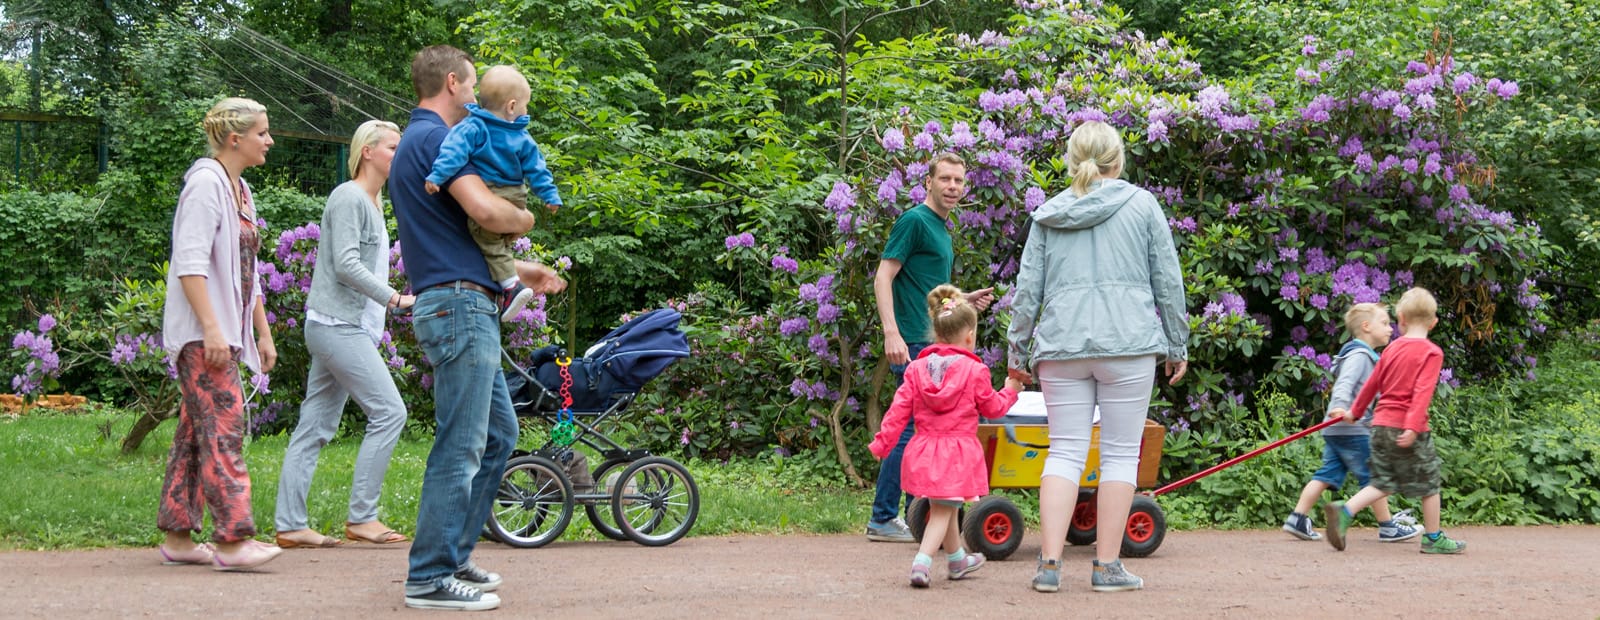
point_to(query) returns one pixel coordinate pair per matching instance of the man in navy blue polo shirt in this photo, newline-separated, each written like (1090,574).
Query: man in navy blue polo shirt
(457,324)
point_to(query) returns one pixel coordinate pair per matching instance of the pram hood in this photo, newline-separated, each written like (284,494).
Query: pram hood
(638,350)
(621,362)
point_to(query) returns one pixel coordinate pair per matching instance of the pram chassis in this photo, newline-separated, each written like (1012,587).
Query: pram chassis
(653,501)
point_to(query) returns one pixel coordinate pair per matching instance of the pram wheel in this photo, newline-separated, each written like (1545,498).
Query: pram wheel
(599,511)
(655,501)
(534,503)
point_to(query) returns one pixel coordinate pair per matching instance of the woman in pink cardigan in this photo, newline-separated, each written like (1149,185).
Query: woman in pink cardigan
(945,391)
(214,320)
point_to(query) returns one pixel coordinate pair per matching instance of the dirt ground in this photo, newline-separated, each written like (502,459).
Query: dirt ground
(1539,572)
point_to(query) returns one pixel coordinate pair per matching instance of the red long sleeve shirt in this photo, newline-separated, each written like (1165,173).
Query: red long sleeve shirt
(1403,383)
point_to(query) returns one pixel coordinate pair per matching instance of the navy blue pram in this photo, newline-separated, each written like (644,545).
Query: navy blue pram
(617,366)
(631,495)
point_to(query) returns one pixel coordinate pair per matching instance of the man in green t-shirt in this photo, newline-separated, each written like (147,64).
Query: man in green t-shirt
(917,258)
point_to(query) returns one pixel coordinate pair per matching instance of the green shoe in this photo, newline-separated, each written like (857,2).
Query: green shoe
(1338,520)
(1443,545)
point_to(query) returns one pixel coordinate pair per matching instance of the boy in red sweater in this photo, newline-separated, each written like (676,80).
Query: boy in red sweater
(1403,459)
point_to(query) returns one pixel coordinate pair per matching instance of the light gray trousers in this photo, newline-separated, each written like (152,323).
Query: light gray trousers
(344,364)
(1121,386)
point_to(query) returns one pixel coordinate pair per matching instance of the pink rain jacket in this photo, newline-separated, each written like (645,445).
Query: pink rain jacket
(945,391)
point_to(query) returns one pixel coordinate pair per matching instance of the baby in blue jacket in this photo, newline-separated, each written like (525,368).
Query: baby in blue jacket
(494,137)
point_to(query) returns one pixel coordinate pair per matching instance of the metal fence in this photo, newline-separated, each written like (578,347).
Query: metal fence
(53,152)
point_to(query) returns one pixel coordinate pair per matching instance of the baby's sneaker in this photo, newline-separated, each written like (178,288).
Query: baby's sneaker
(966,565)
(513,300)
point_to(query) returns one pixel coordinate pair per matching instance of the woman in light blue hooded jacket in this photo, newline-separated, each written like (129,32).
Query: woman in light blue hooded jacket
(1099,302)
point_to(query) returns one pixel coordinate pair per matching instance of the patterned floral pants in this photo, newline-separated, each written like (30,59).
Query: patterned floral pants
(206,465)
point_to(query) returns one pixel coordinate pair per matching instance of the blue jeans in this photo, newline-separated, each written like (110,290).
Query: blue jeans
(1341,455)
(459,332)
(886,504)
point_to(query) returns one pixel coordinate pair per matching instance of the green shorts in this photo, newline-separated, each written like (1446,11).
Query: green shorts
(1412,472)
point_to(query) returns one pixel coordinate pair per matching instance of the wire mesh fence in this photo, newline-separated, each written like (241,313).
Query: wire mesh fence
(49,153)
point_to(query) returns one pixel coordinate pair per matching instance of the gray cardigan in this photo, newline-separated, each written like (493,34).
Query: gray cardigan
(352,229)
(1095,271)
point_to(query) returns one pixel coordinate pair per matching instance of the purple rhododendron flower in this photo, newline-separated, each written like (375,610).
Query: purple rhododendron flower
(1032,198)
(841,198)
(893,140)
(1156,131)
(827,313)
(793,326)
(46,323)
(784,263)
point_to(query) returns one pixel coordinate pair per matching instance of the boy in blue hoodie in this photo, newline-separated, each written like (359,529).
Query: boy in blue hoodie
(1347,445)
(494,139)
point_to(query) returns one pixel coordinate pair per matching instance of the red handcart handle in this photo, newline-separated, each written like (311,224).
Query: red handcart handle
(1247,456)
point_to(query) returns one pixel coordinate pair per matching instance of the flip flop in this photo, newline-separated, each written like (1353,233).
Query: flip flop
(324,543)
(385,538)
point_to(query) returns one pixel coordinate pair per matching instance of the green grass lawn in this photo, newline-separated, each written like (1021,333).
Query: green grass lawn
(65,485)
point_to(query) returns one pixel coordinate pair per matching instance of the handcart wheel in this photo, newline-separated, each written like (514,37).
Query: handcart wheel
(655,501)
(1147,526)
(917,517)
(534,503)
(993,528)
(1080,530)
(600,515)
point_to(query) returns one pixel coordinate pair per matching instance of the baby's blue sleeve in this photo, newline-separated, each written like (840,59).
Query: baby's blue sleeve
(454,152)
(538,174)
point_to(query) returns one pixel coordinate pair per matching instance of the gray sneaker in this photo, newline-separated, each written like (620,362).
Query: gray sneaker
(454,595)
(1114,578)
(1047,578)
(893,531)
(1300,526)
(478,578)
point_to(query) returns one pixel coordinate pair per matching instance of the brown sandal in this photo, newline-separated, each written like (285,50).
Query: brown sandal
(385,538)
(322,543)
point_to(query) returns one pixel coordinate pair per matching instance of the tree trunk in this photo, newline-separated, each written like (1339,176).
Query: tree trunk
(847,375)
(142,427)
(874,404)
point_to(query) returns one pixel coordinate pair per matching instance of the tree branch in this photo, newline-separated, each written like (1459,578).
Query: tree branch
(852,33)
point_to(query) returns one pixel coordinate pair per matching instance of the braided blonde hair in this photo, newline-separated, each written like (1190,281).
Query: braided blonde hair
(229,116)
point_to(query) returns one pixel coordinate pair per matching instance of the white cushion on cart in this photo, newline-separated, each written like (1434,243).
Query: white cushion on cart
(1029,409)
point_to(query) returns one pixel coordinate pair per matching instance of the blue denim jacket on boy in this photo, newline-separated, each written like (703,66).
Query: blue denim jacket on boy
(502,151)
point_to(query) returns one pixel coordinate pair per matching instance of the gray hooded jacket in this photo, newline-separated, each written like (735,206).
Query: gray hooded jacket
(1099,278)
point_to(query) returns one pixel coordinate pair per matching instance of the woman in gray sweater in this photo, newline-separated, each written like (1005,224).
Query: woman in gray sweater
(345,314)
(1099,302)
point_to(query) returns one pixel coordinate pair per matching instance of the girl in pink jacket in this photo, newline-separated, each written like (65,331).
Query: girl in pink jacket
(945,391)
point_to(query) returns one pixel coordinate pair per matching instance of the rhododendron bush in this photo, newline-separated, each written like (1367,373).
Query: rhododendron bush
(1346,181)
